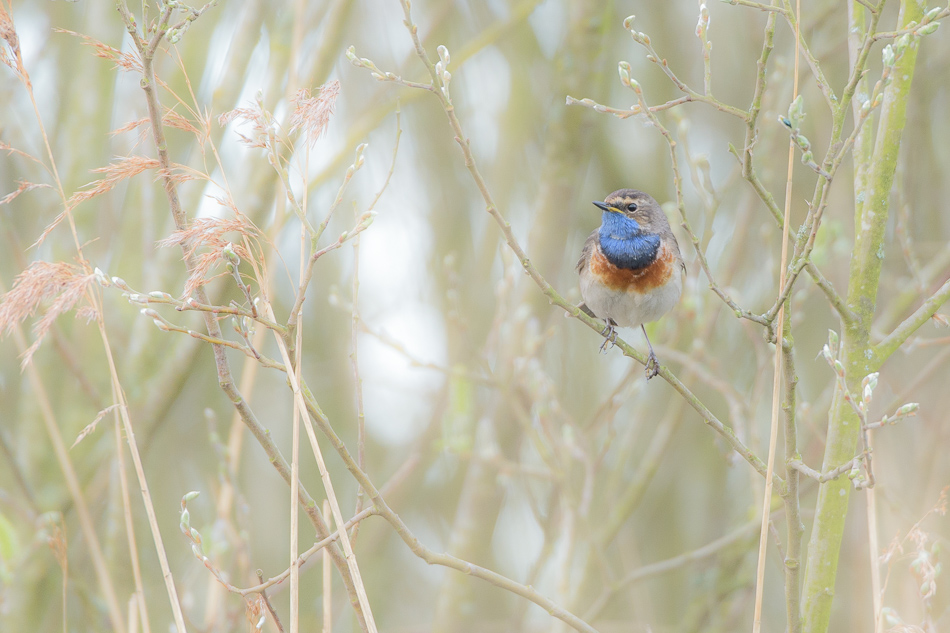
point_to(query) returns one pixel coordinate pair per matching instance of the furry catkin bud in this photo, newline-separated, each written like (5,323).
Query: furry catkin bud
(185,523)
(888,55)
(624,69)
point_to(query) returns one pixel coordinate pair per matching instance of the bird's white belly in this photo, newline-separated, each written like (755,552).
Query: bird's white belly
(630,309)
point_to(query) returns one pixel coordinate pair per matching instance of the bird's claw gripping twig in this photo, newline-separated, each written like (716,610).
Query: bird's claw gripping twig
(610,337)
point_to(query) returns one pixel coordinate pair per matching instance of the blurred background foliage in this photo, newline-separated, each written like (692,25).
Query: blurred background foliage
(511,442)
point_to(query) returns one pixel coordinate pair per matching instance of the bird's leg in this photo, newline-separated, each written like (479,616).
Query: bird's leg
(652,367)
(610,335)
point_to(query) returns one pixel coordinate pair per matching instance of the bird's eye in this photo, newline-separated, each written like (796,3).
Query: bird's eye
(632,206)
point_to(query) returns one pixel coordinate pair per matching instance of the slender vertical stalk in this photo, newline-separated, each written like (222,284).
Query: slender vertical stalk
(874,550)
(780,342)
(139,596)
(295,465)
(75,490)
(327,582)
(123,409)
(300,401)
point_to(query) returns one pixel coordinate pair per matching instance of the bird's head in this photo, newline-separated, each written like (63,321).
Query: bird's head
(637,206)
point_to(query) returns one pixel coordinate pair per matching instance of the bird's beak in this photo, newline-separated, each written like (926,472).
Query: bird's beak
(605,207)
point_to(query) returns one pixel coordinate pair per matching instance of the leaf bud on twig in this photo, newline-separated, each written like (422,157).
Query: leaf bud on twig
(703,24)
(932,14)
(796,113)
(908,409)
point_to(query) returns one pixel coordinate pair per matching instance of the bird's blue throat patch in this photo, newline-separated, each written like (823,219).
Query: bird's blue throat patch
(624,244)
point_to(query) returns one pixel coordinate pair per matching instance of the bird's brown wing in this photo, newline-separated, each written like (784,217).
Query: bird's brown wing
(586,253)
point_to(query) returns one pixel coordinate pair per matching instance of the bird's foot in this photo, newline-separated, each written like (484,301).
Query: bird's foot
(652,367)
(610,337)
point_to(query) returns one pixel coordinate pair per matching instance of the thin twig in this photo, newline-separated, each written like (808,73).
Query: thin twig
(316,547)
(820,477)
(315,254)
(267,602)
(355,326)
(670,564)
(681,205)
(644,40)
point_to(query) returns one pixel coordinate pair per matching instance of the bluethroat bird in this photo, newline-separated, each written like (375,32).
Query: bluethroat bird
(631,270)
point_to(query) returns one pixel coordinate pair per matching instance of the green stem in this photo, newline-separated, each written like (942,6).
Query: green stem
(794,527)
(856,353)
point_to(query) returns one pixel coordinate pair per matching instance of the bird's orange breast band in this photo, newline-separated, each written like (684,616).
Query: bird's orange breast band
(640,280)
